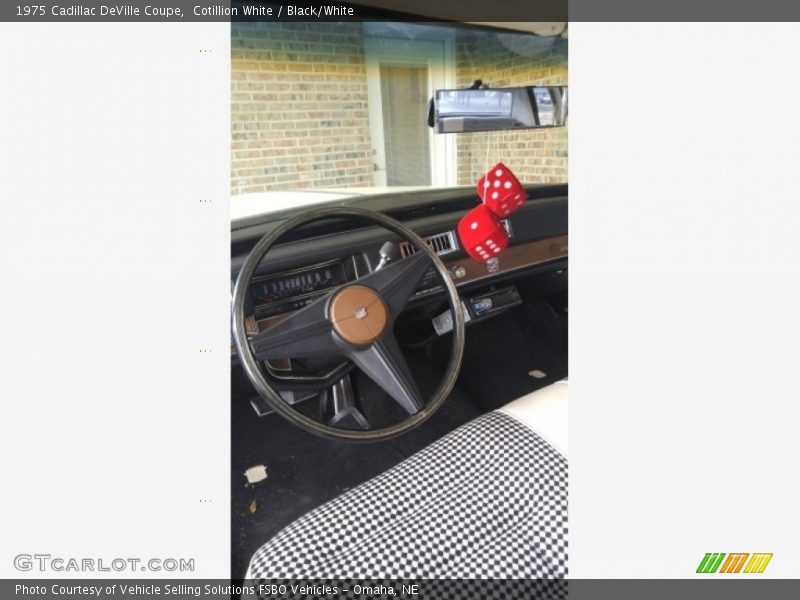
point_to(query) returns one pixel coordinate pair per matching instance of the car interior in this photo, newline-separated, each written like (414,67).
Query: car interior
(399,392)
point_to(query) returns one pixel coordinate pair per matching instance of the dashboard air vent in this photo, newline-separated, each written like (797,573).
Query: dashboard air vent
(441,243)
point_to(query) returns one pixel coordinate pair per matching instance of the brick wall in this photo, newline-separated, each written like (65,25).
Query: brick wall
(299,107)
(299,112)
(536,156)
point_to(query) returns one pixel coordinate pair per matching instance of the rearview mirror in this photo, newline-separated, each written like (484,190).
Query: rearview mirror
(490,109)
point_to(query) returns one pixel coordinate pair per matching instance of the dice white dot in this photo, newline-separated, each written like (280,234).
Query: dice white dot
(498,173)
(486,184)
(473,225)
(496,250)
(516,197)
(479,248)
(496,183)
(507,185)
(495,195)
(490,242)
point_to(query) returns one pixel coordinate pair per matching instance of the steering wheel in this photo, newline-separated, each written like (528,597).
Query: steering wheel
(354,321)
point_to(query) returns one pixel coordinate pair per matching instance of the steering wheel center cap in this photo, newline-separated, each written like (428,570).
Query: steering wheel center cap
(358,315)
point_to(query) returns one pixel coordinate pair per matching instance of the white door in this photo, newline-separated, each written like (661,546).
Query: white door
(402,75)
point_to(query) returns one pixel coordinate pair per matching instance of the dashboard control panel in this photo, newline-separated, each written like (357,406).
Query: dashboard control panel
(480,306)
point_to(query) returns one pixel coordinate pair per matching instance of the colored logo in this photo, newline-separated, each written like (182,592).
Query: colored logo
(737,562)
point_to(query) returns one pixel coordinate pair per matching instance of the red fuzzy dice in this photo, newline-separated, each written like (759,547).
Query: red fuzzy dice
(481,233)
(501,191)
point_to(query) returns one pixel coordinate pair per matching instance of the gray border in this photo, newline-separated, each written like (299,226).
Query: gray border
(684,10)
(450,10)
(363,10)
(714,586)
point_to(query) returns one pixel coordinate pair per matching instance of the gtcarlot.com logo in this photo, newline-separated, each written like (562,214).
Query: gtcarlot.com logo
(46,562)
(736,562)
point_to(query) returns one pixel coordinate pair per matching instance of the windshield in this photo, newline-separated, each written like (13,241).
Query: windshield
(330,110)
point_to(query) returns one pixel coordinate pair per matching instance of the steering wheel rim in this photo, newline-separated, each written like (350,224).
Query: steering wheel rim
(250,362)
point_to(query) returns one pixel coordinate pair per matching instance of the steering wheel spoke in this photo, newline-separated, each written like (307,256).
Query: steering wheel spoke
(306,333)
(384,363)
(397,281)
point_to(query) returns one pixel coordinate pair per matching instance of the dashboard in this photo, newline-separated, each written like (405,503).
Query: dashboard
(316,259)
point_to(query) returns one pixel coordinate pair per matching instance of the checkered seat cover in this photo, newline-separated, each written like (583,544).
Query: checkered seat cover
(489,500)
